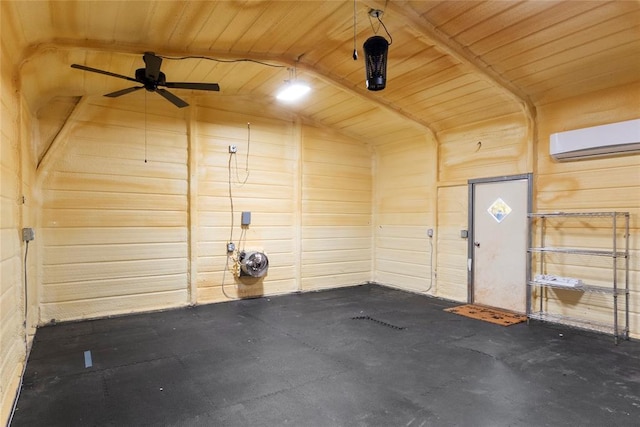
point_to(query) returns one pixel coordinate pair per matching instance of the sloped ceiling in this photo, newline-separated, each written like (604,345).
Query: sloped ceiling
(451,63)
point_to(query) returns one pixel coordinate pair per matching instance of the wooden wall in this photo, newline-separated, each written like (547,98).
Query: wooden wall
(336,185)
(422,184)
(451,266)
(405,208)
(18,208)
(266,185)
(122,235)
(12,350)
(492,148)
(404,182)
(605,184)
(114,236)
(309,193)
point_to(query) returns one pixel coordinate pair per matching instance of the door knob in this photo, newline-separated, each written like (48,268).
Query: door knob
(476,244)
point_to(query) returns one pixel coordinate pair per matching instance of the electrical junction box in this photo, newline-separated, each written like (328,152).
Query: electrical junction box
(464,234)
(28,234)
(246,218)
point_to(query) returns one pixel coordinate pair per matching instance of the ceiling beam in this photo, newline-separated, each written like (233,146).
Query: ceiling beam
(60,141)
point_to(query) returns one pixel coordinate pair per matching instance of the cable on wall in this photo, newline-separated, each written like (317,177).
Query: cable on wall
(209,58)
(229,253)
(430,264)
(145,126)
(26,289)
(240,182)
(26,341)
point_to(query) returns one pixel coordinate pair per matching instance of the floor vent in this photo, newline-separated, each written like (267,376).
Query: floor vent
(380,322)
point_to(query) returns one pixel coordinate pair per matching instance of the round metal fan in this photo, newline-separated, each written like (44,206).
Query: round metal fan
(254,264)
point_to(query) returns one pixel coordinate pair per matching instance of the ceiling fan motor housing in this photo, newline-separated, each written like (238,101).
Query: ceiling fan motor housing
(150,84)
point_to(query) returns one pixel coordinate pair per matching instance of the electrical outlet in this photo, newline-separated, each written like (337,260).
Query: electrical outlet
(28,234)
(233,149)
(246,218)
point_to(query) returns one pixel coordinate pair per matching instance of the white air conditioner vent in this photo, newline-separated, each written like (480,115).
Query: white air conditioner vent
(597,141)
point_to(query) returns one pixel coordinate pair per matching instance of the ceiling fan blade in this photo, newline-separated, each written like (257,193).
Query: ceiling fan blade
(153,63)
(197,86)
(106,73)
(172,98)
(123,91)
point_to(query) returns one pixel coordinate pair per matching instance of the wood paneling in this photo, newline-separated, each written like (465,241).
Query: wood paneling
(606,184)
(114,226)
(118,234)
(405,208)
(453,208)
(336,213)
(263,183)
(17,210)
(449,63)
(493,148)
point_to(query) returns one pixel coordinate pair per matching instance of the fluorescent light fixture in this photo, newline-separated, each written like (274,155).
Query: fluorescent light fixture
(293,91)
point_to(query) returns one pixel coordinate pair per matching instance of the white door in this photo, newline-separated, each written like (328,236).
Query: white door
(500,244)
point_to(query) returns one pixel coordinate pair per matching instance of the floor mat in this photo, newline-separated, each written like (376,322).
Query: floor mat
(488,314)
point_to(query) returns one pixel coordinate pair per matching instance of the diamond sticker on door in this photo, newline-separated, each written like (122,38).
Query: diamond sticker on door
(499,210)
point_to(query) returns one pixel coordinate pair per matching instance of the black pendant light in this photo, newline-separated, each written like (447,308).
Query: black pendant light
(376,49)
(375,59)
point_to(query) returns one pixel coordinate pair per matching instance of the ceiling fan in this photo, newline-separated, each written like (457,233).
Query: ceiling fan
(152,79)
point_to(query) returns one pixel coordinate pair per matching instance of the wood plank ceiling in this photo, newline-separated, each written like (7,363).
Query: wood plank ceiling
(451,63)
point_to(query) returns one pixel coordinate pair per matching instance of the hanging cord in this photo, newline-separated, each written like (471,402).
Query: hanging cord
(26,341)
(224,273)
(208,58)
(229,254)
(26,289)
(145,126)
(241,182)
(230,183)
(355,51)
(375,30)
(243,239)
(430,264)
(230,198)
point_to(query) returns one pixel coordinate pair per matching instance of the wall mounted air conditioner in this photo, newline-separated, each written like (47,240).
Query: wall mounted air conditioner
(597,141)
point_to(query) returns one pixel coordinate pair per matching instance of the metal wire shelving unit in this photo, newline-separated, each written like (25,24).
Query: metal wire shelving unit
(616,250)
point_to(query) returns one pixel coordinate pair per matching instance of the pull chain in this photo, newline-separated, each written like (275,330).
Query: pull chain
(145,126)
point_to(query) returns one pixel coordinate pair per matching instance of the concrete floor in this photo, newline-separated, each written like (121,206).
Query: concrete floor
(359,356)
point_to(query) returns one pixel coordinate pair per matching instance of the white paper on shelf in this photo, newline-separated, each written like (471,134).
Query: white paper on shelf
(551,279)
